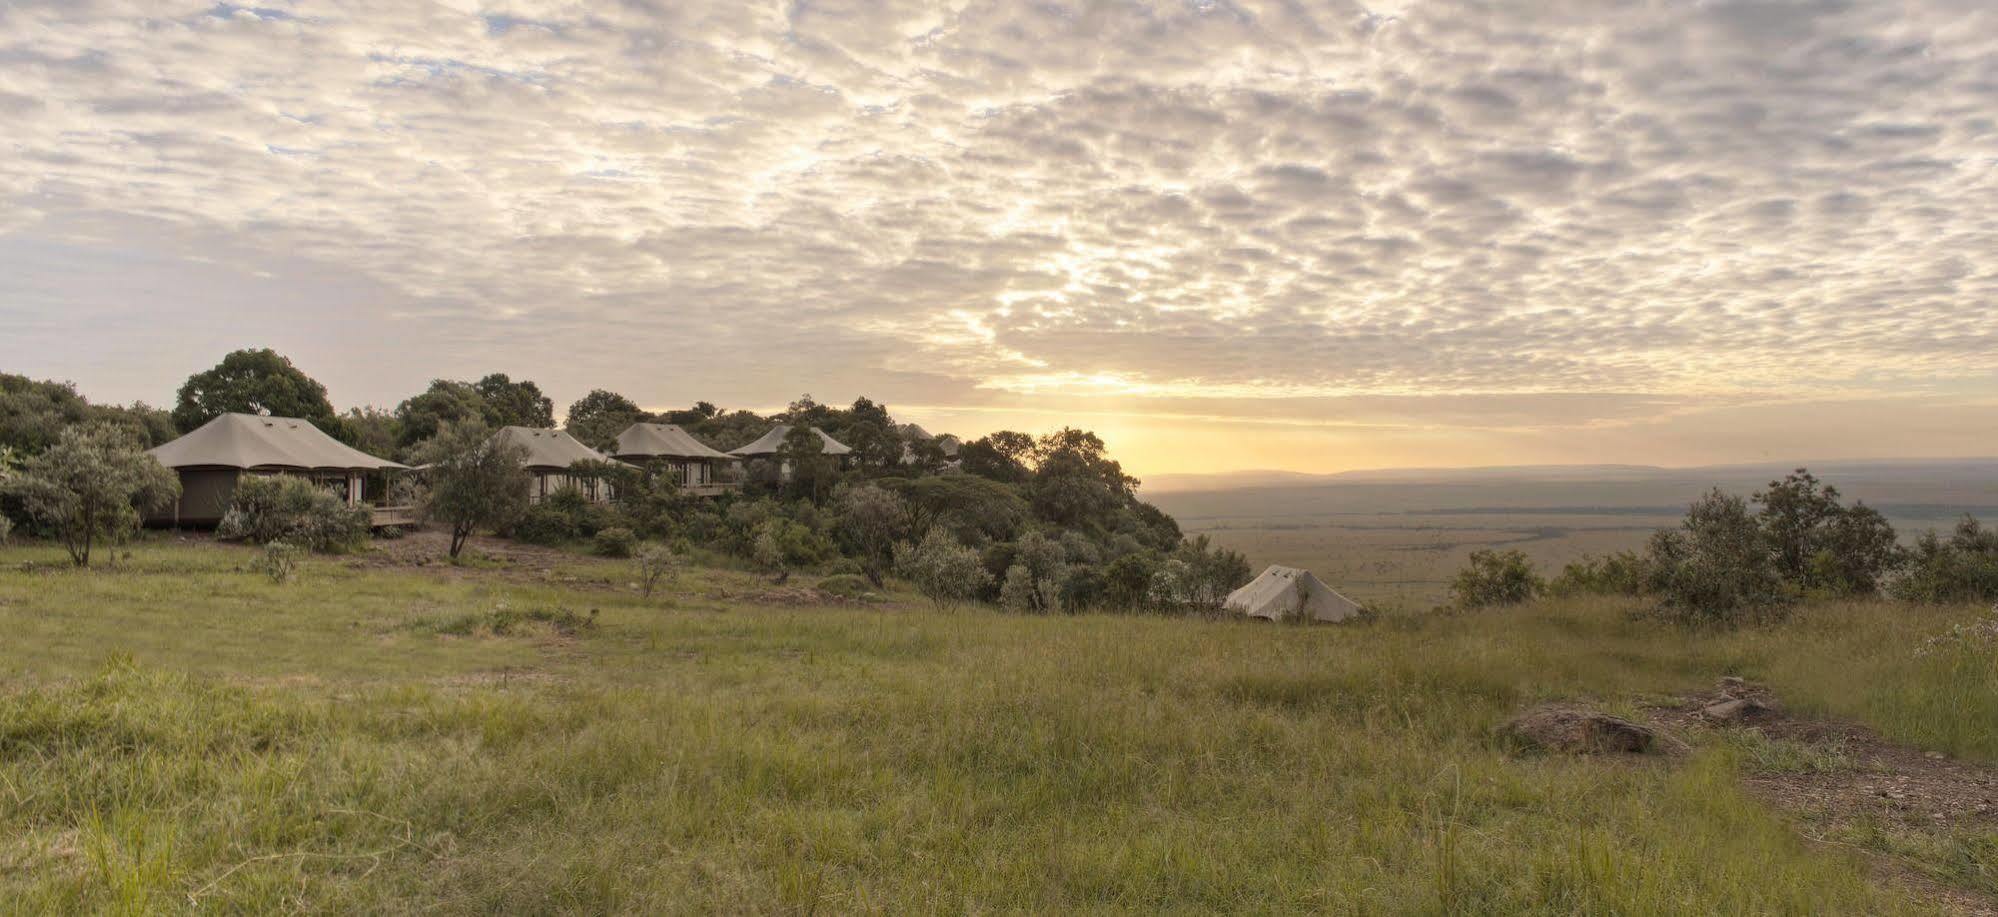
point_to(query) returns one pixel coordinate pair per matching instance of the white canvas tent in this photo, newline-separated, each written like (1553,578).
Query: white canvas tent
(1283,592)
(769,443)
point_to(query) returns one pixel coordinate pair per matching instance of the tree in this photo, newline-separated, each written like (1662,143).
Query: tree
(876,446)
(1963,568)
(514,404)
(445,402)
(1719,566)
(943,570)
(33,415)
(372,430)
(1198,576)
(812,471)
(1496,578)
(1039,572)
(1819,544)
(476,480)
(870,521)
(974,509)
(1001,456)
(1074,481)
(252,382)
(93,483)
(598,417)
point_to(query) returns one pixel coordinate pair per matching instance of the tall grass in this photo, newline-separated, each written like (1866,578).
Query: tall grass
(182,735)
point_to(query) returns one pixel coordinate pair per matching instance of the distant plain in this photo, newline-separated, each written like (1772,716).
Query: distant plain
(1396,538)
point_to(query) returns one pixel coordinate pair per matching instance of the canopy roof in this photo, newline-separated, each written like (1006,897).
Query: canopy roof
(249,441)
(772,441)
(663,440)
(549,448)
(1281,592)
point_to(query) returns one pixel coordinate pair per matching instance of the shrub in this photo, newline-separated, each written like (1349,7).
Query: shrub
(944,571)
(1622,573)
(1197,577)
(294,510)
(846,586)
(1128,581)
(870,522)
(1719,566)
(91,485)
(1963,568)
(279,561)
(545,524)
(476,480)
(1039,572)
(6,528)
(782,544)
(657,566)
(615,542)
(1495,578)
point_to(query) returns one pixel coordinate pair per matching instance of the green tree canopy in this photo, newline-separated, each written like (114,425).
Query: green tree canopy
(476,480)
(598,417)
(515,404)
(253,382)
(92,484)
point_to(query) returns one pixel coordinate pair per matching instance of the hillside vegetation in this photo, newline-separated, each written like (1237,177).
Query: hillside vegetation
(183,733)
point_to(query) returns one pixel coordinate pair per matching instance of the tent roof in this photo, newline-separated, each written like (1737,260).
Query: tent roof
(1276,594)
(550,448)
(249,441)
(769,443)
(662,440)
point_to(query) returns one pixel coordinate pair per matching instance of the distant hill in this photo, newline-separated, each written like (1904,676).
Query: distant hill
(1927,471)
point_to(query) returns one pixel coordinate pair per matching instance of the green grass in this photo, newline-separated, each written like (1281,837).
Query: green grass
(183,734)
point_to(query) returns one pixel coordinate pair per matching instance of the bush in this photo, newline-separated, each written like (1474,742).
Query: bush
(91,486)
(782,544)
(944,571)
(545,524)
(657,566)
(1623,573)
(279,562)
(1495,578)
(1719,566)
(1036,580)
(294,510)
(1962,569)
(6,528)
(615,542)
(1197,577)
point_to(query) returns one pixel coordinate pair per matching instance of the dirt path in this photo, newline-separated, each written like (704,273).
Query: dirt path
(1856,790)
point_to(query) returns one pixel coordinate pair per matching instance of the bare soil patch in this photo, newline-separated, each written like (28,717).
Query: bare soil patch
(1875,783)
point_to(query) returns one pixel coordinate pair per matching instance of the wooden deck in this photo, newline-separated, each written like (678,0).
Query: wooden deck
(385,516)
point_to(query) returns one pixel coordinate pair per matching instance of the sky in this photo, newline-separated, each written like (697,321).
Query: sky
(1224,235)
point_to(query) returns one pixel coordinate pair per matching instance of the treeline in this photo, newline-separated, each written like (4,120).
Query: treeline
(1736,559)
(1048,523)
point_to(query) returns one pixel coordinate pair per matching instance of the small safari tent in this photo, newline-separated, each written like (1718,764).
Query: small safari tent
(1284,593)
(549,455)
(215,456)
(769,444)
(695,467)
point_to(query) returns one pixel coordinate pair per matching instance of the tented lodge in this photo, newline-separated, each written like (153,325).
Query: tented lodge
(691,464)
(214,457)
(550,453)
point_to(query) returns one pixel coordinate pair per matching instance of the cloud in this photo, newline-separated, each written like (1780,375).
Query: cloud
(1489,198)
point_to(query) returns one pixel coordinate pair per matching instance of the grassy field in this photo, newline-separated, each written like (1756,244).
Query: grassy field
(181,734)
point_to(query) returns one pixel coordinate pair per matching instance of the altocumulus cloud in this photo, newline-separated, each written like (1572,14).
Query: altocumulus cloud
(1248,204)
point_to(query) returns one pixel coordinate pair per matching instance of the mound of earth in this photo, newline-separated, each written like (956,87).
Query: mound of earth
(1577,730)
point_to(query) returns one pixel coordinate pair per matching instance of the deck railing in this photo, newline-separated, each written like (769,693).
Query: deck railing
(385,516)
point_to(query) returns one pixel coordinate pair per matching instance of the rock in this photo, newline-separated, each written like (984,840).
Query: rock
(1578,731)
(1733,685)
(1738,710)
